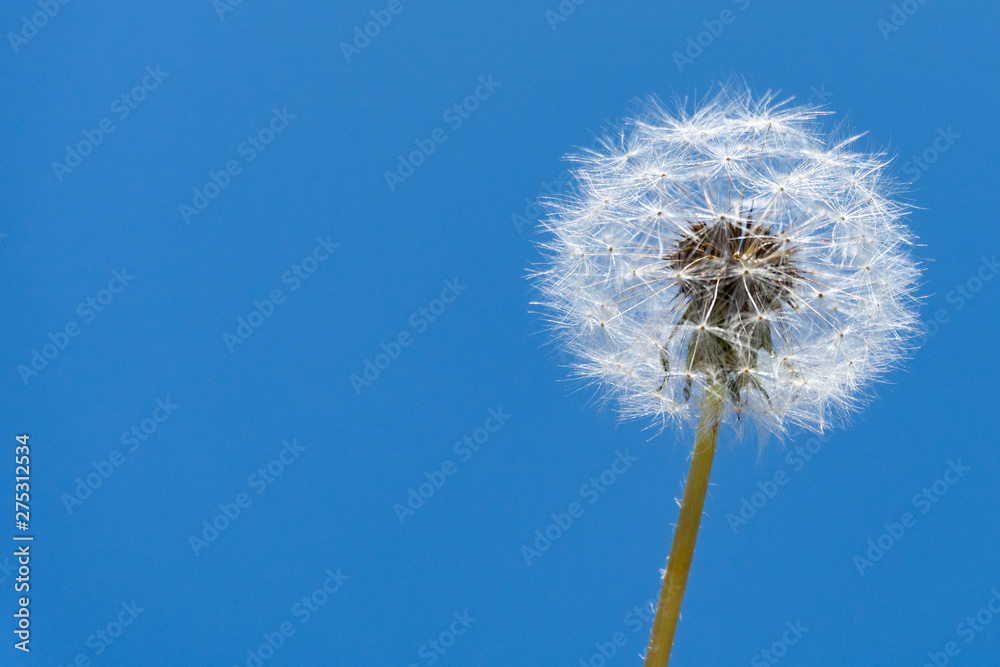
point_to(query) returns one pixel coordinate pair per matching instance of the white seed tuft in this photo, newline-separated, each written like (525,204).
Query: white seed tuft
(736,246)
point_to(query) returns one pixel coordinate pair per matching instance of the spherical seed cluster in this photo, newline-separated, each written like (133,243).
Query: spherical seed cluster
(733,248)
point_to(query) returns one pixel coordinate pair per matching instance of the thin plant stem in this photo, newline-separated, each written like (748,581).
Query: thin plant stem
(668,609)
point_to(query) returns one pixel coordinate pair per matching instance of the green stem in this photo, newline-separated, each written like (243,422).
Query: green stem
(668,609)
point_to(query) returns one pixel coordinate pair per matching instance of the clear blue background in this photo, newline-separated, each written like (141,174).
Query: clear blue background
(333,507)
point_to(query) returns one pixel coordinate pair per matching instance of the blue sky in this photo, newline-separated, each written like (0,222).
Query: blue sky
(201,247)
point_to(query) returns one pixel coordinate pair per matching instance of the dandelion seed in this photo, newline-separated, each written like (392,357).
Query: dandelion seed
(764,276)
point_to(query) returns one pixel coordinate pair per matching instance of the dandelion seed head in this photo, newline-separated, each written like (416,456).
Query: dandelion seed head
(735,246)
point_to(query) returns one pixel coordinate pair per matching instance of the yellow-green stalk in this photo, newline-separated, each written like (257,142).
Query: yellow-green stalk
(668,609)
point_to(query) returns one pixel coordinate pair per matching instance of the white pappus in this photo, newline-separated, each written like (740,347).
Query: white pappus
(737,247)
